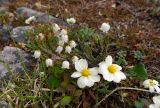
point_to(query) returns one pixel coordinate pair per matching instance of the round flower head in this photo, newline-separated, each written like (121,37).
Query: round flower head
(156,100)
(86,76)
(37,54)
(105,27)
(71,20)
(40,36)
(111,72)
(73,44)
(152,85)
(59,49)
(65,65)
(68,49)
(61,43)
(30,19)
(74,59)
(64,38)
(49,62)
(55,27)
(63,32)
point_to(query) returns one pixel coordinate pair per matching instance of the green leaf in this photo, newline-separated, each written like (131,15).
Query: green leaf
(57,70)
(139,71)
(66,100)
(137,55)
(140,103)
(53,82)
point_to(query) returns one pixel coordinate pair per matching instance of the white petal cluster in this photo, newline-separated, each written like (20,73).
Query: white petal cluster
(55,27)
(152,85)
(63,32)
(86,76)
(40,36)
(49,62)
(59,49)
(72,44)
(30,19)
(61,43)
(74,59)
(68,49)
(156,100)
(65,65)
(111,72)
(64,38)
(71,20)
(105,27)
(37,54)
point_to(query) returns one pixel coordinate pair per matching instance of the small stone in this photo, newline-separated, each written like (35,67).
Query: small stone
(5,33)
(18,33)
(15,59)
(40,16)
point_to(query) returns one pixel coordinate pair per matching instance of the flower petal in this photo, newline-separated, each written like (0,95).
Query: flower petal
(109,60)
(81,64)
(94,71)
(156,100)
(89,82)
(107,76)
(95,78)
(102,67)
(151,89)
(152,106)
(157,89)
(76,75)
(118,67)
(81,82)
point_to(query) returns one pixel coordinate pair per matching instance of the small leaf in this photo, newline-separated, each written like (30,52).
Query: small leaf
(140,103)
(139,71)
(137,55)
(53,82)
(66,100)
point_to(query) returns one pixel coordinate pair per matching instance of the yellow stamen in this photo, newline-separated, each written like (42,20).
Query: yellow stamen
(112,68)
(85,72)
(151,83)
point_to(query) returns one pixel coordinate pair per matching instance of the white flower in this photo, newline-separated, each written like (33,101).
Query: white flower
(37,54)
(59,49)
(55,27)
(61,43)
(71,20)
(86,76)
(30,19)
(152,85)
(74,59)
(68,49)
(64,38)
(73,44)
(40,36)
(111,72)
(63,32)
(49,62)
(156,100)
(65,65)
(105,27)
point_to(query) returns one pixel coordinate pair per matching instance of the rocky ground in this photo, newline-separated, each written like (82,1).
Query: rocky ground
(135,23)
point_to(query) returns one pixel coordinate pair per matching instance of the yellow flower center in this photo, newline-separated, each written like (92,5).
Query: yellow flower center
(151,83)
(85,72)
(112,68)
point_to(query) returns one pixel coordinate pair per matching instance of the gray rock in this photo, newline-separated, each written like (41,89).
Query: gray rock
(4,104)
(5,33)
(40,16)
(14,60)
(18,33)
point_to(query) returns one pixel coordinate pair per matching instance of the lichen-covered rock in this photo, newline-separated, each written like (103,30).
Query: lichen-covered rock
(5,33)
(40,16)
(18,33)
(14,60)
(4,104)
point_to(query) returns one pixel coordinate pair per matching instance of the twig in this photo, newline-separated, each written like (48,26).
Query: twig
(120,88)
